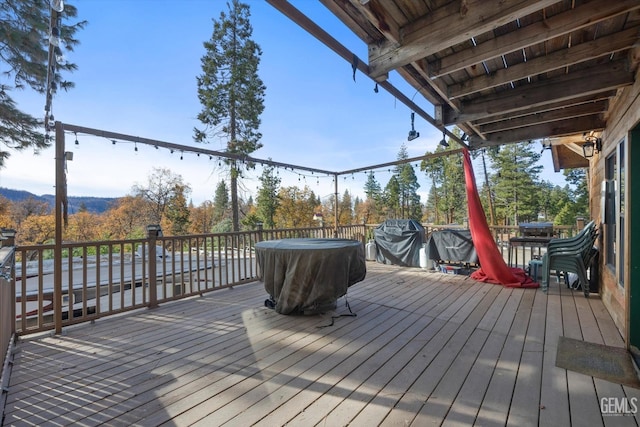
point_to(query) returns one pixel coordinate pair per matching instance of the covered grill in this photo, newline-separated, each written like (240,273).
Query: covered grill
(536,229)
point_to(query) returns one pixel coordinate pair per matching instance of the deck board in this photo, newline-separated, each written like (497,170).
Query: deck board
(422,349)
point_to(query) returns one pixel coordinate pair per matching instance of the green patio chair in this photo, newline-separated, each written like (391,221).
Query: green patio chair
(570,255)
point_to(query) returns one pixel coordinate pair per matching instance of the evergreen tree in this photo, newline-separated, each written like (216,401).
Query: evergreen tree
(24,51)
(577,178)
(447,195)
(454,197)
(220,202)
(408,187)
(545,189)
(391,197)
(230,91)
(345,215)
(267,199)
(516,185)
(177,212)
(372,188)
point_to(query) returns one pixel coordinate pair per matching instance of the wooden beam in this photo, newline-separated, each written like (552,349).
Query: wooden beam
(185,148)
(446,27)
(544,130)
(580,110)
(551,106)
(582,16)
(553,61)
(376,16)
(590,81)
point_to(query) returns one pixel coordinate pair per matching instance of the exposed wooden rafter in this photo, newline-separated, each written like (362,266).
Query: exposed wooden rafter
(504,71)
(446,27)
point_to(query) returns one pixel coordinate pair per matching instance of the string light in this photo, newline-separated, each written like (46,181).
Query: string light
(76,134)
(135,146)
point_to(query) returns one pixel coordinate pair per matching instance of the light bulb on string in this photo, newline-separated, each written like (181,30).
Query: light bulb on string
(60,59)
(54,37)
(57,5)
(76,134)
(135,146)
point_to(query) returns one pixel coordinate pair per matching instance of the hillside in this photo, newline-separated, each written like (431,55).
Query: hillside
(93,204)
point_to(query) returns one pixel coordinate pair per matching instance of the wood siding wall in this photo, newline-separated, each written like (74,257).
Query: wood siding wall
(625,115)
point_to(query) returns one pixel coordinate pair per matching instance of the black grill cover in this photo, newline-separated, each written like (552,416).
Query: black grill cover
(398,242)
(451,246)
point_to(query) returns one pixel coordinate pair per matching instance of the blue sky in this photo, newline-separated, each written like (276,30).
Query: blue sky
(137,67)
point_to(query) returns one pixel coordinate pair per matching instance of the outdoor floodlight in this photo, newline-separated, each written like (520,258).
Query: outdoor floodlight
(413,134)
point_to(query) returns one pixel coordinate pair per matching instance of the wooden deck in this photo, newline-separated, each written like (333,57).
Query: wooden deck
(424,349)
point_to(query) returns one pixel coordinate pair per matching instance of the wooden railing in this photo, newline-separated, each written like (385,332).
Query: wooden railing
(109,277)
(7,314)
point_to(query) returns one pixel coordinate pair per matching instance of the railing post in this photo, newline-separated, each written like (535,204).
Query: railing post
(153,232)
(259,226)
(9,239)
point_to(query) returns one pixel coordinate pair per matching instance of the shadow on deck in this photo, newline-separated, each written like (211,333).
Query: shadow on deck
(424,349)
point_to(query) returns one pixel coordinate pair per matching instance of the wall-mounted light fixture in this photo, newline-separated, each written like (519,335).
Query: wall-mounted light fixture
(413,134)
(546,145)
(592,145)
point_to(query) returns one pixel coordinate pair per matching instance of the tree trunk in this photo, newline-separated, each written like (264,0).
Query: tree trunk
(234,199)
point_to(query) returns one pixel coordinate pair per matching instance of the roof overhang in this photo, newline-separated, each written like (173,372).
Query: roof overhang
(503,72)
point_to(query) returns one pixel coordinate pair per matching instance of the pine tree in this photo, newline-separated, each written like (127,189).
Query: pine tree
(230,91)
(345,215)
(580,192)
(447,195)
(372,188)
(24,52)
(391,198)
(408,187)
(516,183)
(220,201)
(267,200)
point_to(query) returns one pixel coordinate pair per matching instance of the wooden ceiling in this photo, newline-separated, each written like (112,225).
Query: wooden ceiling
(504,71)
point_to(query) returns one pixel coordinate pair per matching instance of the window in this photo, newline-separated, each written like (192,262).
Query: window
(614,211)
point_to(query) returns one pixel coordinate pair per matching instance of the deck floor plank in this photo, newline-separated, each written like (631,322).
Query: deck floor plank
(423,348)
